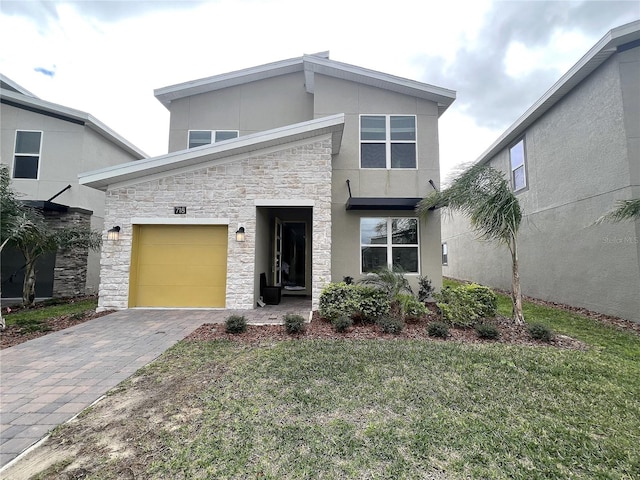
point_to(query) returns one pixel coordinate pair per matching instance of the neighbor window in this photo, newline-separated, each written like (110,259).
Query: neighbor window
(518,166)
(445,254)
(389,243)
(26,159)
(388,141)
(198,138)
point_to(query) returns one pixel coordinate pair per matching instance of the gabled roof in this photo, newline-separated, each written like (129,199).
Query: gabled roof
(618,39)
(310,65)
(14,95)
(101,179)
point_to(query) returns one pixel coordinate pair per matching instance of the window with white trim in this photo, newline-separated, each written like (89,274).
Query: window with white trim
(388,141)
(445,254)
(26,158)
(389,243)
(198,138)
(518,166)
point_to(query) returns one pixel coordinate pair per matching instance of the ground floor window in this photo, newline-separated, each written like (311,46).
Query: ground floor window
(389,243)
(445,254)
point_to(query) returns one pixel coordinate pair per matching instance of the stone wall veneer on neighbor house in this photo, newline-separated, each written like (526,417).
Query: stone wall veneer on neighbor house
(225,189)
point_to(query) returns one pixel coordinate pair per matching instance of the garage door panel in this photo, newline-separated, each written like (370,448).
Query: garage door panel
(179,266)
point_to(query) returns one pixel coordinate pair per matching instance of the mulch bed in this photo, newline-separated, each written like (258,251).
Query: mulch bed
(320,328)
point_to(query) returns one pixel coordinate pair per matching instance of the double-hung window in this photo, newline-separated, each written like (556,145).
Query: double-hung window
(388,141)
(26,159)
(389,243)
(518,166)
(198,138)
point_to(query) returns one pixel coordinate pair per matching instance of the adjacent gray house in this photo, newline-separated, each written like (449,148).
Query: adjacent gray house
(570,157)
(45,146)
(288,175)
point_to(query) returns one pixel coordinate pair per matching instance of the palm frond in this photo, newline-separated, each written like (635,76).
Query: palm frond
(625,210)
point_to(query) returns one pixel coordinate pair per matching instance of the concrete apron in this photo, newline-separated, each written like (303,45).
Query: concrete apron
(49,380)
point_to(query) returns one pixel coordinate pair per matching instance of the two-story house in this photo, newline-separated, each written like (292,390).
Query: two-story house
(45,146)
(305,170)
(570,157)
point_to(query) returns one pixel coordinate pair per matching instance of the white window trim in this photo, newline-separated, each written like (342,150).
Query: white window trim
(390,244)
(524,166)
(213,135)
(15,144)
(388,140)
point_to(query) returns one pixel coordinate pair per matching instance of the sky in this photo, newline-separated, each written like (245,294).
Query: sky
(107,57)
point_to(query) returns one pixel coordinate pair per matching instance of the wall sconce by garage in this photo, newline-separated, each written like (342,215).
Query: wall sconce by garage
(240,234)
(113,234)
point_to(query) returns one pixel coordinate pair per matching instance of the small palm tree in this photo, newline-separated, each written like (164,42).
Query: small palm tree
(484,195)
(392,282)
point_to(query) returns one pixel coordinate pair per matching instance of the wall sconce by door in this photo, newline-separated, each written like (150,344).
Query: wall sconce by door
(113,234)
(240,234)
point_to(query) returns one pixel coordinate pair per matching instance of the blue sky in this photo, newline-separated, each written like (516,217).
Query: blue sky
(107,57)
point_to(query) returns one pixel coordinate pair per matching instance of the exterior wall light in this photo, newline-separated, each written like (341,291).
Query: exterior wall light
(240,234)
(113,234)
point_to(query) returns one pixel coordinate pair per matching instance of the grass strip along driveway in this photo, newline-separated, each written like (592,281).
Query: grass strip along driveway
(398,409)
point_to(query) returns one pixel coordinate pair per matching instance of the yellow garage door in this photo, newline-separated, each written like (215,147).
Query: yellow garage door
(178,266)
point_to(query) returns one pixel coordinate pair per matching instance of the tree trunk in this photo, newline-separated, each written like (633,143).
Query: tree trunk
(516,293)
(29,285)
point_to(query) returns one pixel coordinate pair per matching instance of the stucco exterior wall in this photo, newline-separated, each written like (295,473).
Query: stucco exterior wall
(249,108)
(580,161)
(229,190)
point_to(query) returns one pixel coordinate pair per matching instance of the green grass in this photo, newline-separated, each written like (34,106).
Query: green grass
(33,319)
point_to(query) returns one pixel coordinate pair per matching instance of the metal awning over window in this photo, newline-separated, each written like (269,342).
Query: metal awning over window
(382,203)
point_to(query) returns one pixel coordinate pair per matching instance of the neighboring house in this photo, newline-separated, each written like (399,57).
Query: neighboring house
(317,165)
(570,157)
(45,146)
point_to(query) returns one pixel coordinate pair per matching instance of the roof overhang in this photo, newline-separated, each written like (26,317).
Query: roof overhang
(332,125)
(43,107)
(382,203)
(621,38)
(311,64)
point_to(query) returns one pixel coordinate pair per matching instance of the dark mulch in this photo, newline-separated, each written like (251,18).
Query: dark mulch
(319,328)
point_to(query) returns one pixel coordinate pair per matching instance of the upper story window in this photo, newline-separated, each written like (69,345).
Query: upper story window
(198,138)
(388,141)
(518,166)
(389,243)
(26,159)
(445,254)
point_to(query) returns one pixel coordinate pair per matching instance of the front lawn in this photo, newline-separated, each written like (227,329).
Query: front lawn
(394,409)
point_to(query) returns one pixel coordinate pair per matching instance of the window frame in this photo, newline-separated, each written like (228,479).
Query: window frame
(389,244)
(213,136)
(444,250)
(512,170)
(16,154)
(388,142)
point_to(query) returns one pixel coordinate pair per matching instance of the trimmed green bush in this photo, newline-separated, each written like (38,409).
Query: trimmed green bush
(390,324)
(485,297)
(487,330)
(438,329)
(294,323)
(540,332)
(465,305)
(236,324)
(412,309)
(371,303)
(342,323)
(356,301)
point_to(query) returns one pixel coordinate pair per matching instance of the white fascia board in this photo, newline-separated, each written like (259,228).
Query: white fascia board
(313,64)
(74,115)
(217,82)
(178,221)
(102,178)
(595,57)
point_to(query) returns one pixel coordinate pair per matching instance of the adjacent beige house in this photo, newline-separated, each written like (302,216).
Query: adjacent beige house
(299,172)
(570,157)
(45,146)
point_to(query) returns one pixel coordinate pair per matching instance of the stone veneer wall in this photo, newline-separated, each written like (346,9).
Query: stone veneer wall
(225,189)
(70,271)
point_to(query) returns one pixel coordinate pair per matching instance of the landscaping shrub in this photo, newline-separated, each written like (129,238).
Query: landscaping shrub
(356,301)
(236,324)
(465,305)
(438,329)
(390,324)
(412,309)
(487,330)
(294,323)
(342,323)
(425,290)
(540,332)
(371,303)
